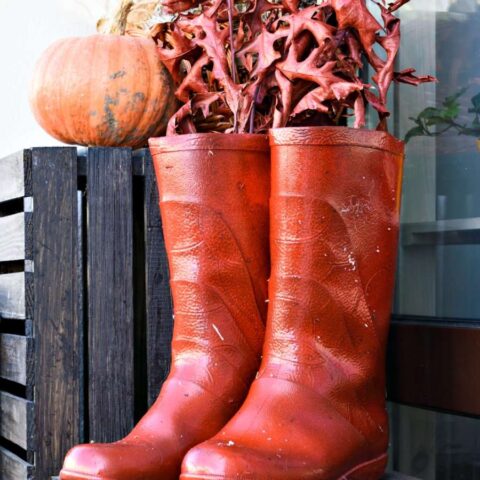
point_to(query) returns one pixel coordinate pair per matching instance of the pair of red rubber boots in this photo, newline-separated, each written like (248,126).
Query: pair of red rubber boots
(298,393)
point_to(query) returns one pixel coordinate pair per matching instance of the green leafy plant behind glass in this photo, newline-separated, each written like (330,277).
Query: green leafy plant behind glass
(433,121)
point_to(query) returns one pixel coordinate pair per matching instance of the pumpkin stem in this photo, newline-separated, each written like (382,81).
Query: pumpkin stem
(117,24)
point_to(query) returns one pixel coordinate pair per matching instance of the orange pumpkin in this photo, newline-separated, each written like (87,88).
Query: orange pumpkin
(105,90)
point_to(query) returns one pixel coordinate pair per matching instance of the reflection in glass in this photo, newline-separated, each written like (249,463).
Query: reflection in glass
(439,255)
(439,264)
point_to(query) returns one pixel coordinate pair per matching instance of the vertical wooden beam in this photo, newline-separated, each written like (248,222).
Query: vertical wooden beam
(110,293)
(159,304)
(57,323)
(80,273)
(139,294)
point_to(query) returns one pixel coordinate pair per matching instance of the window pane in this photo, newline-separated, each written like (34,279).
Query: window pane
(434,446)
(439,257)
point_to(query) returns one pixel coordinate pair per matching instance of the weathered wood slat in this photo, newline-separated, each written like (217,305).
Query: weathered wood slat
(16,358)
(13,467)
(110,293)
(12,295)
(137,161)
(12,181)
(57,324)
(158,299)
(17,420)
(83,322)
(28,221)
(12,237)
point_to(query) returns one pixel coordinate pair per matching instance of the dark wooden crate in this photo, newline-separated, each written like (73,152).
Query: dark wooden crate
(85,306)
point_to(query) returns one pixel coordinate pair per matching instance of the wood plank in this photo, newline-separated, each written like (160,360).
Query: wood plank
(158,297)
(152,210)
(29,249)
(16,358)
(137,161)
(12,183)
(28,221)
(12,237)
(12,295)
(13,467)
(80,279)
(110,293)
(57,324)
(17,420)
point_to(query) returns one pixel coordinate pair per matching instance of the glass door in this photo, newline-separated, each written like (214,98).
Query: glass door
(434,360)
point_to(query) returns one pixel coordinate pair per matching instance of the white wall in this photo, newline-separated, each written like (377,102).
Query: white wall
(27,28)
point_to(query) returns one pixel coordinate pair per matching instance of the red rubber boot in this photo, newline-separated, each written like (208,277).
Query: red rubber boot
(317,409)
(214,192)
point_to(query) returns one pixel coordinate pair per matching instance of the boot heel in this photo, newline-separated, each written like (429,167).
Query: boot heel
(372,470)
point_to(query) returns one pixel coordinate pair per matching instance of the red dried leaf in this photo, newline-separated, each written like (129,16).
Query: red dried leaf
(291,5)
(194,81)
(375,102)
(306,69)
(407,76)
(390,42)
(359,111)
(310,19)
(335,91)
(354,48)
(175,6)
(201,103)
(262,49)
(283,104)
(254,16)
(173,49)
(355,14)
(392,7)
(380,106)
(212,38)
(241,37)
(184,112)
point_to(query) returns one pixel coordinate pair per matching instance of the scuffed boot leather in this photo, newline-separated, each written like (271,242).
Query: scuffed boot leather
(317,409)
(214,192)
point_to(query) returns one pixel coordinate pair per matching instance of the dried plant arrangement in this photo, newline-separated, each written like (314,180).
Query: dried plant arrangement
(256,64)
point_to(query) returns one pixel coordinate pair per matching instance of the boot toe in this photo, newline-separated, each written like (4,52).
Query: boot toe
(117,461)
(86,462)
(217,461)
(228,460)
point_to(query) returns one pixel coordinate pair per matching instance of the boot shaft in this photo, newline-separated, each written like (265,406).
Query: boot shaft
(334,226)
(214,192)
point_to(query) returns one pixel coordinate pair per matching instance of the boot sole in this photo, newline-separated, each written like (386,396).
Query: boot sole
(371,470)
(69,475)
